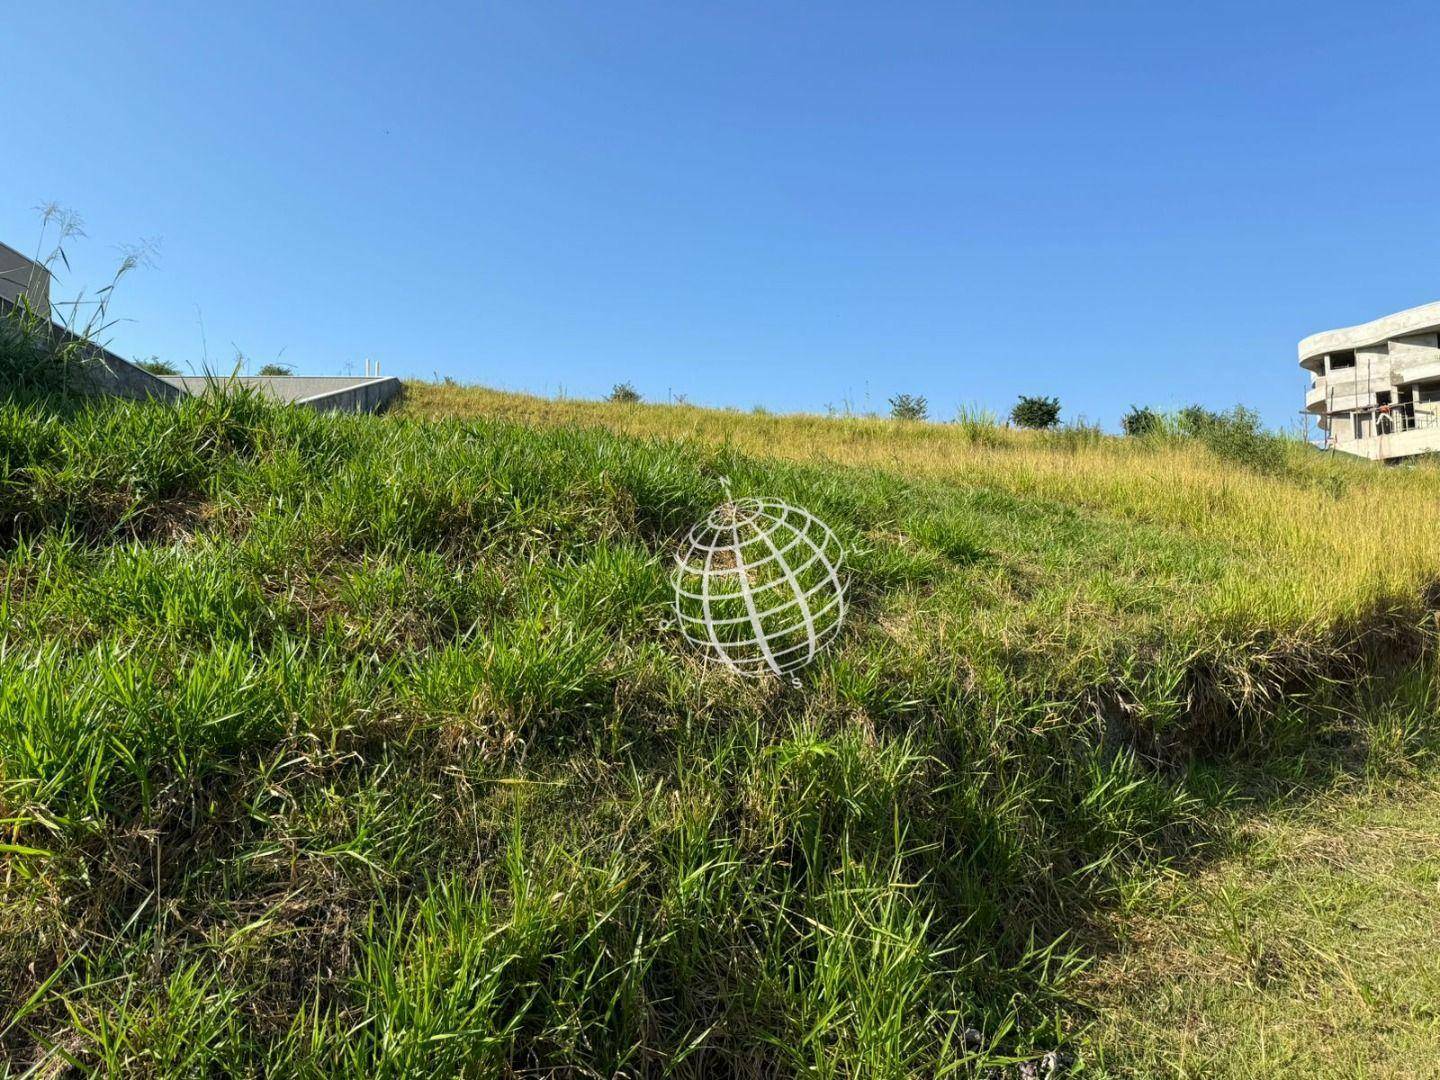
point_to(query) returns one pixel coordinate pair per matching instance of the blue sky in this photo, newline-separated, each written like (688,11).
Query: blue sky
(794,205)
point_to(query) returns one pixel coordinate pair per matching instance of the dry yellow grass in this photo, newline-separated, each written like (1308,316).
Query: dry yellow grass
(1330,539)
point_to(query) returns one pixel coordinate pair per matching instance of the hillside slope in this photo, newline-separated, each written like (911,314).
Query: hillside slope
(1308,536)
(362,745)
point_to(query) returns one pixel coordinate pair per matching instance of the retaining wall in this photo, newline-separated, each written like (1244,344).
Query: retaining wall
(102,372)
(368,396)
(324,393)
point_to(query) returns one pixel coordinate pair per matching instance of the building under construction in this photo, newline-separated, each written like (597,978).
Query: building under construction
(1375,388)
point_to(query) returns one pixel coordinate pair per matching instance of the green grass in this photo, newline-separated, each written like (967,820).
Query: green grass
(363,746)
(1309,950)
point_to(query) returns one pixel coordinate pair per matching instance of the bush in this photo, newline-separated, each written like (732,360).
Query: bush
(1142,420)
(156,366)
(277,369)
(1195,421)
(909,407)
(1236,435)
(624,394)
(1036,412)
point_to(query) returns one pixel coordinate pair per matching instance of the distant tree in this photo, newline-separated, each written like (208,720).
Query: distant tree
(1036,412)
(1140,420)
(624,394)
(909,407)
(277,369)
(156,366)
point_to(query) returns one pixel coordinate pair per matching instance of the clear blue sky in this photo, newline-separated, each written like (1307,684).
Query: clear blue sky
(773,203)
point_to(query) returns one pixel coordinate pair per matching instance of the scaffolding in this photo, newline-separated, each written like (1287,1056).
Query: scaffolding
(1389,418)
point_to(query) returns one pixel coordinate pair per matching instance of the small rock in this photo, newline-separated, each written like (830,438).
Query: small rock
(973,1039)
(1029,1070)
(1056,1063)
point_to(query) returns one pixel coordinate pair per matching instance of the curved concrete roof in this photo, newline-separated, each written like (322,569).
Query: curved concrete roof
(1415,320)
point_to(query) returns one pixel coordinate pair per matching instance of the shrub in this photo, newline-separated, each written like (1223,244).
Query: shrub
(1142,420)
(1036,412)
(156,366)
(624,394)
(909,407)
(1195,421)
(1236,435)
(277,369)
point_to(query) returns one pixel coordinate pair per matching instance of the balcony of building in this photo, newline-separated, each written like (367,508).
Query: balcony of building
(1385,432)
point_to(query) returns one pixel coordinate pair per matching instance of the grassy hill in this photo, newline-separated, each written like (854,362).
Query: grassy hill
(362,746)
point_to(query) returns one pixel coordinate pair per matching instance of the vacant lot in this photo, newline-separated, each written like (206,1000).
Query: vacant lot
(362,745)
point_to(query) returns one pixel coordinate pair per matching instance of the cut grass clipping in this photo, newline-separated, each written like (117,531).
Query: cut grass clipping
(352,745)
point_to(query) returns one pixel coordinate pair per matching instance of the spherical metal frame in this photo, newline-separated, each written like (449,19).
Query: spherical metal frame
(771,530)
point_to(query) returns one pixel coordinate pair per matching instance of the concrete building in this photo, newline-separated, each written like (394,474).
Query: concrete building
(1375,388)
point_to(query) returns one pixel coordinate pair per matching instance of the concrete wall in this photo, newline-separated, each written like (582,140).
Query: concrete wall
(324,393)
(106,373)
(22,276)
(369,396)
(102,372)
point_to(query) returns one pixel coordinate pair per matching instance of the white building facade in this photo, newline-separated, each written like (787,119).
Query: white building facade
(1375,388)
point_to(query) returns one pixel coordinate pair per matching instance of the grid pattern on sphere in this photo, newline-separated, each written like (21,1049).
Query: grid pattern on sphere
(759,586)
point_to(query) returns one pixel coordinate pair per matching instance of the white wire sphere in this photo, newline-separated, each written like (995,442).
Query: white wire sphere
(758,586)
